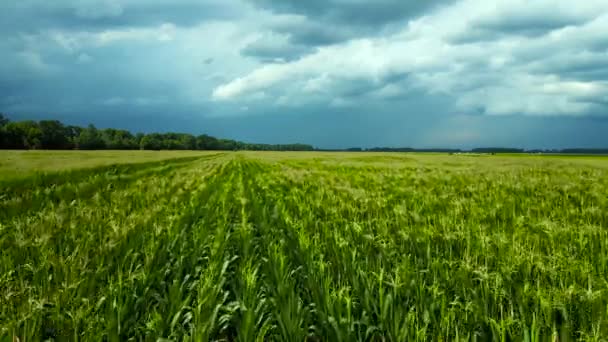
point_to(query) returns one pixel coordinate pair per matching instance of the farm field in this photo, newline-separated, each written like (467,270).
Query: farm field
(258,246)
(16,163)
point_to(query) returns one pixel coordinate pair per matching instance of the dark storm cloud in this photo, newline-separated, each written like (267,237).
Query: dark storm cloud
(275,49)
(334,73)
(355,12)
(523,24)
(67,82)
(334,21)
(587,68)
(310,33)
(426,124)
(535,24)
(104,56)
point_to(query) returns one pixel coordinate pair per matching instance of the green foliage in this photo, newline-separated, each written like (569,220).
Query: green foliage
(23,135)
(23,164)
(90,139)
(309,246)
(3,137)
(52,135)
(151,142)
(3,120)
(116,139)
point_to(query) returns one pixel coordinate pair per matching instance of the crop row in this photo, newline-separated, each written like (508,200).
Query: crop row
(254,247)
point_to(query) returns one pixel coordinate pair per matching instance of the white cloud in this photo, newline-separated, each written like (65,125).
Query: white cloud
(161,33)
(317,84)
(494,57)
(499,74)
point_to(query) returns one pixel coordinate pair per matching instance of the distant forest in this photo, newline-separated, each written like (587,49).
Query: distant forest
(54,135)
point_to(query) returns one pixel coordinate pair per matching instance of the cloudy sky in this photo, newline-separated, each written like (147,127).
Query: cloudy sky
(333,73)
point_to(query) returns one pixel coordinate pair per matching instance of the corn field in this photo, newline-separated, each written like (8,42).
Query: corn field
(243,246)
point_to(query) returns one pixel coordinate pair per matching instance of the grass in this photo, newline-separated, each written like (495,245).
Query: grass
(16,164)
(309,246)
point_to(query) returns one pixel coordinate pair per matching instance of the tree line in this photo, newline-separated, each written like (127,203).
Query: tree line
(54,135)
(481,150)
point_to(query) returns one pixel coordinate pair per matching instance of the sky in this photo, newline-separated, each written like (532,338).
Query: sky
(331,73)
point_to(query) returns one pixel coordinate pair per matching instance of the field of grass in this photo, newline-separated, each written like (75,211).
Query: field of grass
(308,246)
(14,163)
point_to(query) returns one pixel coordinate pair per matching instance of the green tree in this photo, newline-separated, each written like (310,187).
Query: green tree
(23,135)
(151,142)
(117,139)
(137,139)
(72,134)
(188,142)
(54,135)
(13,136)
(90,139)
(206,142)
(3,122)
